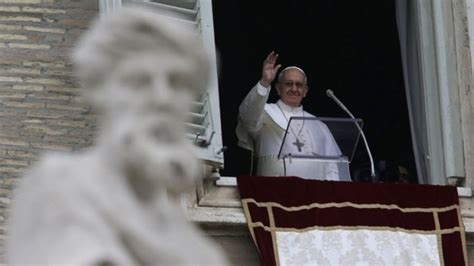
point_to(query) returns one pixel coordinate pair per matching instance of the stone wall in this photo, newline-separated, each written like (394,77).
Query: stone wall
(40,106)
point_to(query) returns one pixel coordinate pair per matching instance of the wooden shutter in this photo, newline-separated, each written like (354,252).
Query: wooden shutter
(204,126)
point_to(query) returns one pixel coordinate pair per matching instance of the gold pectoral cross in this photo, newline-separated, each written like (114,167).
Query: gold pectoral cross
(298,144)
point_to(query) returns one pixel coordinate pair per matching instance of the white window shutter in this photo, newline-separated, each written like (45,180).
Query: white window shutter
(204,125)
(106,6)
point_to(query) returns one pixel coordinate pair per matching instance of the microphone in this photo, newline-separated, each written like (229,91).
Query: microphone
(331,95)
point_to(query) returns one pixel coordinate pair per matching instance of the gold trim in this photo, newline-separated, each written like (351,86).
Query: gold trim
(248,217)
(439,241)
(274,242)
(463,237)
(355,227)
(348,204)
(438,231)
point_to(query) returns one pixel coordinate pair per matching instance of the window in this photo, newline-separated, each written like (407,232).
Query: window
(440,115)
(437,74)
(204,128)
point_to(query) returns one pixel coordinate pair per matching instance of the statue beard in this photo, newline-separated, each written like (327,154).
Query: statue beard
(154,154)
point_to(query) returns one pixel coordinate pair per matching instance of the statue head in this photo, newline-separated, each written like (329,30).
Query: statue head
(141,71)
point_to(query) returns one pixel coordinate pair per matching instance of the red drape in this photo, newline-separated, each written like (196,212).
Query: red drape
(274,204)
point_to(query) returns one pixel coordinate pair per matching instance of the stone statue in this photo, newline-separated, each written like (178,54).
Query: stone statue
(117,203)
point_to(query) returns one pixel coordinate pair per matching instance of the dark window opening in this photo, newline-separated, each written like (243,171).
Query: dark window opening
(351,47)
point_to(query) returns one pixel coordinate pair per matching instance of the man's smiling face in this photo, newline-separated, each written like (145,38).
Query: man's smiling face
(292,87)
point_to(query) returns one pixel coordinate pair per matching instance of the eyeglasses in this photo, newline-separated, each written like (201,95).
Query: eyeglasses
(290,84)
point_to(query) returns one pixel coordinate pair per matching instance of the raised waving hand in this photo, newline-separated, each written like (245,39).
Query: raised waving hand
(269,69)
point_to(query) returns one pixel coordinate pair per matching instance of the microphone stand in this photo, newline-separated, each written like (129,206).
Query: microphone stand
(331,95)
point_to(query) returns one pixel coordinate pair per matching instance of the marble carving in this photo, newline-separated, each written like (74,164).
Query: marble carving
(117,203)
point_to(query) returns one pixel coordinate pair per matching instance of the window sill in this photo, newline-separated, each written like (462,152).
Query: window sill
(464,192)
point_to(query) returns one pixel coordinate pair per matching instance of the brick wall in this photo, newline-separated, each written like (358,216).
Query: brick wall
(40,106)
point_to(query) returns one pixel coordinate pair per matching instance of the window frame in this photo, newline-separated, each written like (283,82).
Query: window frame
(447,75)
(447,69)
(209,147)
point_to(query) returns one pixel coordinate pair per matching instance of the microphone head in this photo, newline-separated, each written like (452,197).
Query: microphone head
(329,93)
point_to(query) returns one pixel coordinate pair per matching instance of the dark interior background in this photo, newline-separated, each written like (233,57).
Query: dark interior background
(348,46)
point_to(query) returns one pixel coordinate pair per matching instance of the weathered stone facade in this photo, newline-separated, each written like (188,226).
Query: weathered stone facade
(40,107)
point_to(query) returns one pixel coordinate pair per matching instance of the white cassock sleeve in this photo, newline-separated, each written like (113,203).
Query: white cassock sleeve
(250,116)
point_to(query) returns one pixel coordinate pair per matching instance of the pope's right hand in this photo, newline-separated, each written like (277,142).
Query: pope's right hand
(269,69)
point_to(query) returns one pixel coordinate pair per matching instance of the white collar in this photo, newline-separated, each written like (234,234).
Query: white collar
(293,110)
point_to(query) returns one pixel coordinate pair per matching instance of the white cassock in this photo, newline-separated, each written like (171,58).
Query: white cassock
(261,128)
